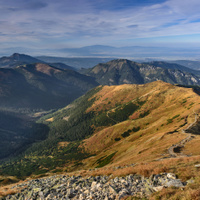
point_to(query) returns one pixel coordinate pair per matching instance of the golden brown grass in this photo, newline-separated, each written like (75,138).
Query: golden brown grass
(5,192)
(173,193)
(6,187)
(171,110)
(183,167)
(63,144)
(46,69)
(50,119)
(193,147)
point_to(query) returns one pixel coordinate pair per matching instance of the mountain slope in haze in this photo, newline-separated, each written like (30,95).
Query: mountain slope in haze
(139,52)
(112,126)
(166,65)
(75,62)
(62,66)
(32,88)
(124,71)
(41,86)
(21,59)
(195,65)
(17,59)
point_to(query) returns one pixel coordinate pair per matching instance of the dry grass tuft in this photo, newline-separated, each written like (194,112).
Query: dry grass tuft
(195,194)
(8,192)
(62,144)
(50,119)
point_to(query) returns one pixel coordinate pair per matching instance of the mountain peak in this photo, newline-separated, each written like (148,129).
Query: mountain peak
(17,59)
(18,56)
(122,60)
(15,55)
(123,71)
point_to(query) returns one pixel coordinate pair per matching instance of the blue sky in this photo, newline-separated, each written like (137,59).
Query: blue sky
(39,25)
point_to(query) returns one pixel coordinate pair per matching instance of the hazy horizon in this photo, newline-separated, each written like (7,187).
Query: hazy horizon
(46,27)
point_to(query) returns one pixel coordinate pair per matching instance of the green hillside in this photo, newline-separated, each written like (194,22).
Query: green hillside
(46,153)
(17,132)
(40,86)
(111,125)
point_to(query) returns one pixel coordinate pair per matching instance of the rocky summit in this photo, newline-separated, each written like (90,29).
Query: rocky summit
(123,71)
(98,188)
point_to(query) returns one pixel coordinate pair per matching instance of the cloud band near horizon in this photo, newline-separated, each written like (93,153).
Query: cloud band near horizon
(59,24)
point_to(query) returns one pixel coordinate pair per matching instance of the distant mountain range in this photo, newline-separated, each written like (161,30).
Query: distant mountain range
(16,60)
(21,59)
(175,65)
(41,86)
(27,82)
(77,63)
(131,52)
(128,52)
(122,71)
(188,63)
(89,62)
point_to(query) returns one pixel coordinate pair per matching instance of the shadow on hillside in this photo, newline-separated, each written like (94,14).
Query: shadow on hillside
(18,132)
(194,129)
(195,88)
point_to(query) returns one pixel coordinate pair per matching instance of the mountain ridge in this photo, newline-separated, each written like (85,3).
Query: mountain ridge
(118,130)
(42,83)
(113,120)
(78,62)
(17,59)
(195,65)
(123,71)
(169,65)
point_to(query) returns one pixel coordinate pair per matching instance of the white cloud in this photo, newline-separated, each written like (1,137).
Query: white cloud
(79,21)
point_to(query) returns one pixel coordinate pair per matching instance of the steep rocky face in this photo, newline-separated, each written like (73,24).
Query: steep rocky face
(123,71)
(116,72)
(167,65)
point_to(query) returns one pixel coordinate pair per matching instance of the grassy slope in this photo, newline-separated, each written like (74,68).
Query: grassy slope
(165,111)
(162,112)
(158,130)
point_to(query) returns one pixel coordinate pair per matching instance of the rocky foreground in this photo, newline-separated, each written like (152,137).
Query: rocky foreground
(98,188)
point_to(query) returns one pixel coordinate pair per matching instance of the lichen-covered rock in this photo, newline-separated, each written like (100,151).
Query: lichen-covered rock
(98,188)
